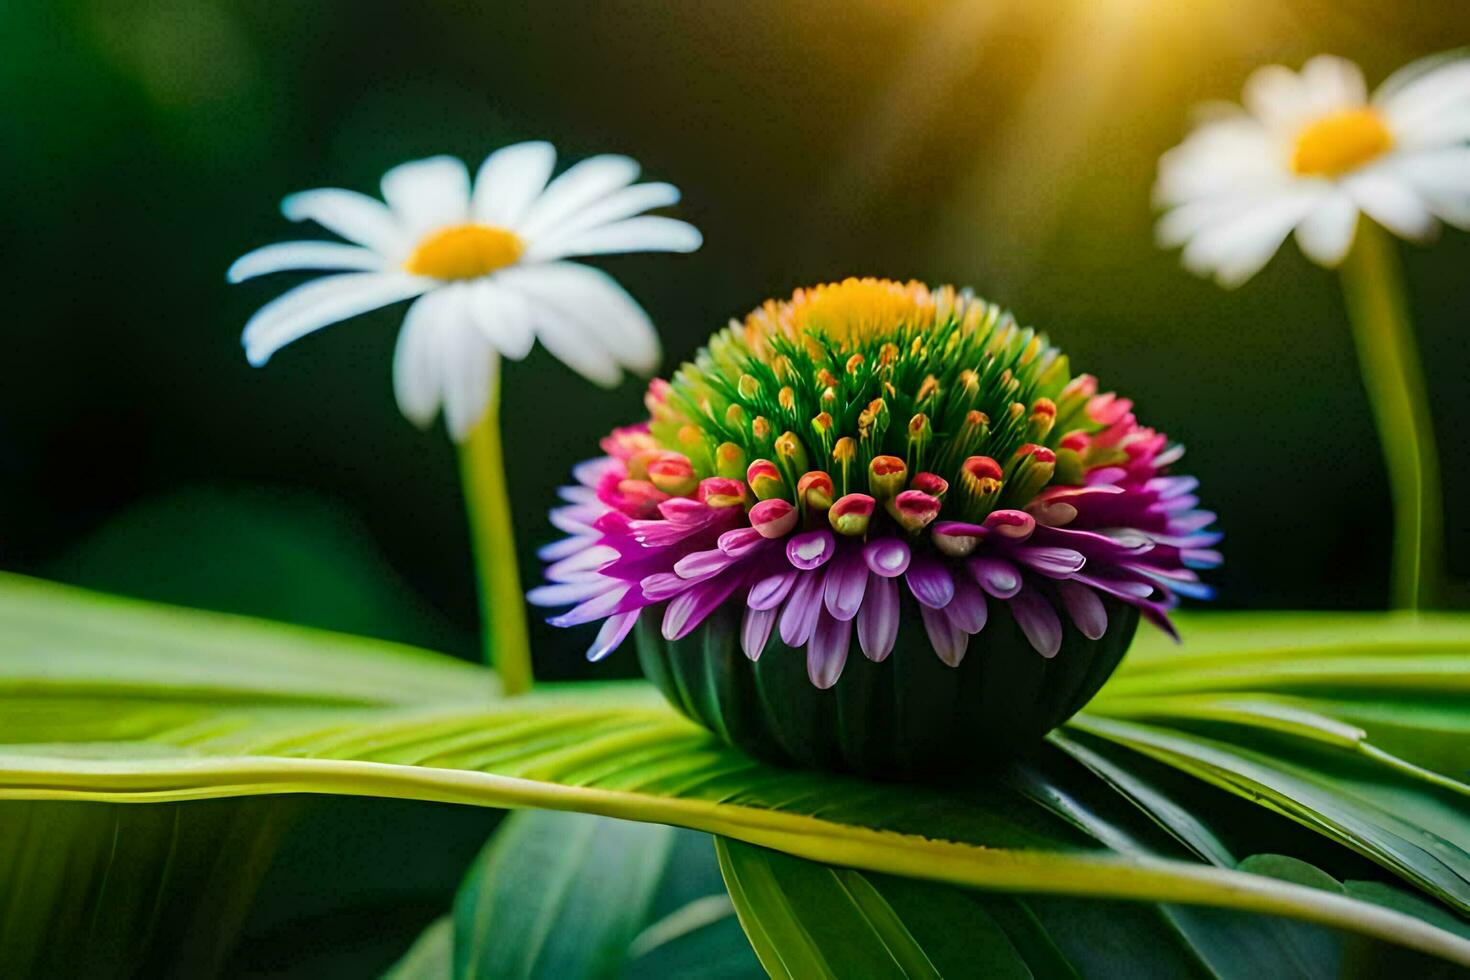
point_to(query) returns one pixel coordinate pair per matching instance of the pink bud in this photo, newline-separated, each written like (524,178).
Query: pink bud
(1012,525)
(774,518)
(721,491)
(913,509)
(849,515)
(956,538)
(930,483)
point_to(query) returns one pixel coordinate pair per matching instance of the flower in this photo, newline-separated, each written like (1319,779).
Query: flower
(484,264)
(1310,153)
(860,440)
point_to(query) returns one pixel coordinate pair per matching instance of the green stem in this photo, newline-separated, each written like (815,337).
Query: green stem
(487,500)
(1389,358)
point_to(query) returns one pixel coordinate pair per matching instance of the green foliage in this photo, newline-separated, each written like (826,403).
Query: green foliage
(573,895)
(117,890)
(1142,800)
(811,920)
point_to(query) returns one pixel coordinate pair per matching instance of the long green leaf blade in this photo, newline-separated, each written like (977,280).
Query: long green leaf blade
(124,733)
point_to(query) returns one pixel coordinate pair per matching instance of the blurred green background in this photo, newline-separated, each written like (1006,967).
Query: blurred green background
(1008,146)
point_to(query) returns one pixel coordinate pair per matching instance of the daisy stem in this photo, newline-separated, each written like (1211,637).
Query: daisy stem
(502,603)
(1389,358)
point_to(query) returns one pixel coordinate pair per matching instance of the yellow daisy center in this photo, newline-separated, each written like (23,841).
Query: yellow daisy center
(1340,142)
(464,252)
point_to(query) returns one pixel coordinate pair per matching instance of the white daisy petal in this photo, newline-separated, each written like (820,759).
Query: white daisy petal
(503,316)
(647,233)
(1276,96)
(417,378)
(616,206)
(509,180)
(356,217)
(1333,84)
(1237,248)
(1419,93)
(566,339)
(1219,158)
(1439,130)
(322,302)
(470,367)
(288,256)
(1442,179)
(428,194)
(600,308)
(1326,234)
(1390,203)
(1182,223)
(586,182)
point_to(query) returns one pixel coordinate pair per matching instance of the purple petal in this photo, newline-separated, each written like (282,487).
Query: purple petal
(827,652)
(740,541)
(702,564)
(568,593)
(811,549)
(1124,588)
(590,471)
(614,630)
(1172,486)
(586,496)
(888,557)
(1038,620)
(1193,521)
(683,510)
(1182,581)
(755,631)
(1201,558)
(799,616)
(847,580)
(1085,608)
(689,609)
(573,520)
(1199,539)
(597,607)
(1169,505)
(771,591)
(1169,456)
(930,582)
(1052,562)
(664,585)
(996,576)
(949,642)
(558,550)
(967,611)
(877,620)
(1105,475)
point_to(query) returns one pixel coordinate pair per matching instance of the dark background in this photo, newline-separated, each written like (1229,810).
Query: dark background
(1008,146)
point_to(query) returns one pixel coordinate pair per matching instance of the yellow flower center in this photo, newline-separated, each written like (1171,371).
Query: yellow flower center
(464,252)
(1340,142)
(848,312)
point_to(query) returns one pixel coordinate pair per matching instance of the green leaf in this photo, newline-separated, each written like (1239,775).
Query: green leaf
(811,920)
(557,894)
(116,890)
(431,957)
(110,701)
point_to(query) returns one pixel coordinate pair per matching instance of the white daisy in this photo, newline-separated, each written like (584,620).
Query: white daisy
(1311,152)
(485,268)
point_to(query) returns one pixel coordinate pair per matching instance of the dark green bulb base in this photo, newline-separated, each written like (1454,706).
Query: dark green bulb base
(908,717)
